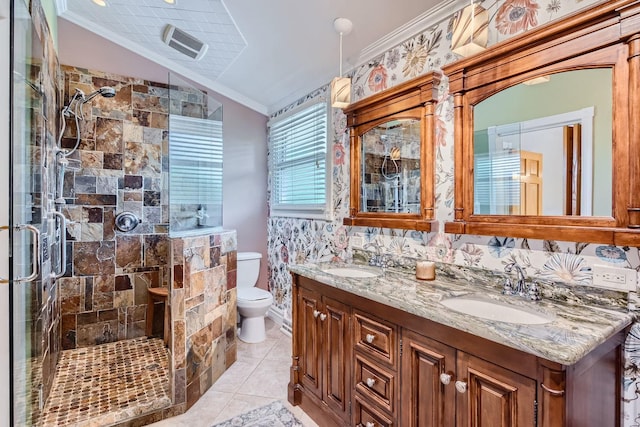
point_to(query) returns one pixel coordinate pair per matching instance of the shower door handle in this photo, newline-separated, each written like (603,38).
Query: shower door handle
(62,247)
(35,253)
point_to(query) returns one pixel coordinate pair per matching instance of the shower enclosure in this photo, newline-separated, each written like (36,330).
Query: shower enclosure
(87,148)
(29,285)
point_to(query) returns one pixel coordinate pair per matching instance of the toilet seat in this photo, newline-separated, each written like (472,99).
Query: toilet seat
(254,297)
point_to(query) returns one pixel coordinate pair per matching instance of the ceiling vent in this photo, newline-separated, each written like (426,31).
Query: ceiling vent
(184,43)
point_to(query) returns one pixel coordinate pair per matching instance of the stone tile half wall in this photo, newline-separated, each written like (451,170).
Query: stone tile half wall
(203,313)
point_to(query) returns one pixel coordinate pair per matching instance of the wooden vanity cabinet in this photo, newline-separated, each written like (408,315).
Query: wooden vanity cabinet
(323,328)
(427,402)
(376,367)
(371,365)
(443,387)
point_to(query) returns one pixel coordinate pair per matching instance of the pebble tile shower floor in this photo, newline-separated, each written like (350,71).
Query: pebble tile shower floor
(108,383)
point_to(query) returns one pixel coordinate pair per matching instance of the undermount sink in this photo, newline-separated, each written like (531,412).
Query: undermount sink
(352,272)
(496,310)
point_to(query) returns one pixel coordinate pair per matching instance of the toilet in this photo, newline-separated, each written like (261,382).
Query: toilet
(253,302)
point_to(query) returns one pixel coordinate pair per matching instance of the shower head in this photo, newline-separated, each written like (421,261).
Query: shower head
(106,91)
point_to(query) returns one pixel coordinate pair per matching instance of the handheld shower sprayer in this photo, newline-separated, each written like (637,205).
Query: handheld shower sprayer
(73,109)
(106,91)
(79,98)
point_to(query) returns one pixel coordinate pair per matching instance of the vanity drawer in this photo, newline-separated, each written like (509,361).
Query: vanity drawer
(377,384)
(366,415)
(376,338)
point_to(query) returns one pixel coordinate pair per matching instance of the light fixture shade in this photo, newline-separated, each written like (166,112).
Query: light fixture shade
(471,31)
(537,80)
(340,92)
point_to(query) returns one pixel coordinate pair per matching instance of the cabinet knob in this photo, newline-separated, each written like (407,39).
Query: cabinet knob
(315,313)
(370,382)
(323,316)
(370,424)
(461,386)
(445,378)
(370,338)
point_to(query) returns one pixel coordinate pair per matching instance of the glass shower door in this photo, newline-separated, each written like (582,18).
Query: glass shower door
(26,219)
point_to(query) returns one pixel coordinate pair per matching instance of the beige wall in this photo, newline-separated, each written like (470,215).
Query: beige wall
(245,135)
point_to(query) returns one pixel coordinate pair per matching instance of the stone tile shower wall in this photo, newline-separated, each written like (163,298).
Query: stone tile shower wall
(120,165)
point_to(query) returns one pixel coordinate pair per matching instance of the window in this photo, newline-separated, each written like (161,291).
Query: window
(299,167)
(195,172)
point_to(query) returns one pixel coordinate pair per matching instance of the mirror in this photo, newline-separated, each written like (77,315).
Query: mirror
(391,167)
(392,156)
(544,147)
(546,136)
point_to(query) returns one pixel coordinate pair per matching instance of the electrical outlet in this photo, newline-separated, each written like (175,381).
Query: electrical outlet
(621,279)
(357,242)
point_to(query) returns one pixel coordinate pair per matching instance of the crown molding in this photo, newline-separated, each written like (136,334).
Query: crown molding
(431,17)
(163,61)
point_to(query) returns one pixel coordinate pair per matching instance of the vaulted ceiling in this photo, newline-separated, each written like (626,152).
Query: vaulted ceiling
(263,54)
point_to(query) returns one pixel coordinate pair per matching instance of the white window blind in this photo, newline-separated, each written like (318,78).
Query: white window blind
(298,163)
(496,183)
(195,159)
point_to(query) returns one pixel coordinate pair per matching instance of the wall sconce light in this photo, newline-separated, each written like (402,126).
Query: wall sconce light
(471,31)
(341,86)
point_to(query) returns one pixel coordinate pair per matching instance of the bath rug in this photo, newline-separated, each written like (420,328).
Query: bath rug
(271,415)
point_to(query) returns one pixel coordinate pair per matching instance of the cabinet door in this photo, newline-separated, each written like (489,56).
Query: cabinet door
(425,399)
(337,366)
(494,396)
(308,329)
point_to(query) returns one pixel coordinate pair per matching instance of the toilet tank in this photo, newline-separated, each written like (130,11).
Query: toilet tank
(248,269)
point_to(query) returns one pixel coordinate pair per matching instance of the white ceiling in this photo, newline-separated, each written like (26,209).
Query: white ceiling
(263,54)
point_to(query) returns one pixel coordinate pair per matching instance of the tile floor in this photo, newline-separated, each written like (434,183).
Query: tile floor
(259,376)
(105,384)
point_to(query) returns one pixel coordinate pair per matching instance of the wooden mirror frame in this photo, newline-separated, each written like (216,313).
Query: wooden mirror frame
(605,35)
(413,99)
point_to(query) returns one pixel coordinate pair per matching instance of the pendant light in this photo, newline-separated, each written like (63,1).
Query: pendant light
(471,31)
(341,86)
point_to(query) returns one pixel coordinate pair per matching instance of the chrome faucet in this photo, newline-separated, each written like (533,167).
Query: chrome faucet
(520,287)
(201,216)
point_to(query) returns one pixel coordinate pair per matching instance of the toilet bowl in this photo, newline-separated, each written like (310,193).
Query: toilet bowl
(253,302)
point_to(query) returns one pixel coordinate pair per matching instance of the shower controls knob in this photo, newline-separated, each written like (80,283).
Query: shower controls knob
(126,221)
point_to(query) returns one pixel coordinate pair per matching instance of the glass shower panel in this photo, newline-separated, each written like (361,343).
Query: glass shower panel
(195,160)
(27,139)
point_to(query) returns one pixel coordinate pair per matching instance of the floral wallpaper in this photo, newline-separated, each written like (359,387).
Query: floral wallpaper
(297,240)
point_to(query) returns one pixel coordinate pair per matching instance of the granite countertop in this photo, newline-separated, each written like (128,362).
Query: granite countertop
(574,329)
